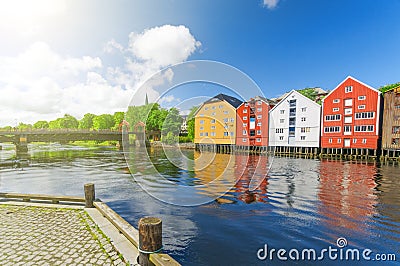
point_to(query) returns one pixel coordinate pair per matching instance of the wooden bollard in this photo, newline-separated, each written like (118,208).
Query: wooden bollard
(150,239)
(89,195)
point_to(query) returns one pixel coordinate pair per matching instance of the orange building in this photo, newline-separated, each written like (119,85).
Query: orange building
(252,122)
(351,116)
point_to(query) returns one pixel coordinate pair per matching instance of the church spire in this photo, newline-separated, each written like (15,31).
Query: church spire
(146,101)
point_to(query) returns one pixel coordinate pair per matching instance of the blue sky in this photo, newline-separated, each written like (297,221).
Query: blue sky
(75,56)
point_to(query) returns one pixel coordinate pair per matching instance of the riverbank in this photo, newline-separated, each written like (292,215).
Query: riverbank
(68,233)
(185,145)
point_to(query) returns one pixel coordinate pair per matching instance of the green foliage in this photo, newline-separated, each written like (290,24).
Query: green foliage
(172,122)
(104,121)
(7,128)
(41,125)
(118,118)
(87,121)
(185,139)
(190,122)
(170,138)
(312,94)
(389,87)
(68,121)
(23,126)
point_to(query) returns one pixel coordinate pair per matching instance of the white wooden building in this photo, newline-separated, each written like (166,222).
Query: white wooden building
(295,122)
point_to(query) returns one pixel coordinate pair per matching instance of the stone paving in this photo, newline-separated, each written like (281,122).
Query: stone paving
(53,236)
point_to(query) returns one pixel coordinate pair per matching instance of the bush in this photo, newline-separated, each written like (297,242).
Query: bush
(170,138)
(185,139)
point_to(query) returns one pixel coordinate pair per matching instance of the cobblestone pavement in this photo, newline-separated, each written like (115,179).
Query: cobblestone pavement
(52,236)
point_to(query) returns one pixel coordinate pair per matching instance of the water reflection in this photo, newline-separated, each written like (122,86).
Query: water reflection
(347,194)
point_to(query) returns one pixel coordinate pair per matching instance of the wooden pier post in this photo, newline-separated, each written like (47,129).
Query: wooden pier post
(89,195)
(150,239)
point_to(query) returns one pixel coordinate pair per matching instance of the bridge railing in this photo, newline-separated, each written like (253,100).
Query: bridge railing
(16,130)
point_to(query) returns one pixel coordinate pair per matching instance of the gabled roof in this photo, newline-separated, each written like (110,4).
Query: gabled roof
(223,97)
(354,79)
(298,94)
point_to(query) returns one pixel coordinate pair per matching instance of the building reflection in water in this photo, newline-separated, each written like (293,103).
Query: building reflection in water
(235,176)
(347,193)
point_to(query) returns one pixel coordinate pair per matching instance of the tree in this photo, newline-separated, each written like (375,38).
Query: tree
(118,118)
(190,122)
(87,121)
(41,125)
(68,121)
(172,122)
(55,124)
(25,127)
(104,121)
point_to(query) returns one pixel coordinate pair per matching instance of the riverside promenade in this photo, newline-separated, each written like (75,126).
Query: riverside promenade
(36,232)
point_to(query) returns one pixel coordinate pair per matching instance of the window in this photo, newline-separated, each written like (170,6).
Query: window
(221,106)
(212,134)
(258,132)
(201,128)
(364,128)
(213,107)
(244,124)
(303,119)
(244,111)
(348,89)
(201,115)
(348,111)
(226,112)
(201,122)
(396,130)
(213,114)
(282,112)
(244,117)
(396,141)
(232,134)
(332,117)
(339,140)
(226,127)
(330,140)
(361,107)
(348,102)
(232,120)
(212,127)
(331,129)
(304,129)
(354,140)
(244,140)
(336,101)
(206,108)
(364,141)
(335,109)
(281,121)
(397,107)
(304,109)
(259,116)
(244,132)
(259,124)
(292,103)
(226,120)
(365,115)
(201,134)
(212,121)
(347,129)
(302,137)
(258,140)
(226,134)
(362,97)
(348,119)
(206,134)
(258,102)
(259,109)
(246,104)
(279,130)
(281,138)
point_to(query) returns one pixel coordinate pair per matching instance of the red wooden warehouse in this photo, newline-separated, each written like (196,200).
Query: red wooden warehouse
(350,117)
(252,122)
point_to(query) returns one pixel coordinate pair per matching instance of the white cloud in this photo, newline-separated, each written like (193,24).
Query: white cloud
(163,46)
(41,84)
(271,4)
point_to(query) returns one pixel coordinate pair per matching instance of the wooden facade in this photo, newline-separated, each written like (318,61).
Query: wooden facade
(252,122)
(391,120)
(351,117)
(215,121)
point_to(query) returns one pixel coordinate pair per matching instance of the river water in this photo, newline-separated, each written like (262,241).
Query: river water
(299,204)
